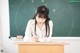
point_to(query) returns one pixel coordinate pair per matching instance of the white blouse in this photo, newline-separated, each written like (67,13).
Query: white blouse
(30,30)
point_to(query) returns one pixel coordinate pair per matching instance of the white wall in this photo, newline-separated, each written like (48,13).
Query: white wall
(0,32)
(10,47)
(0,24)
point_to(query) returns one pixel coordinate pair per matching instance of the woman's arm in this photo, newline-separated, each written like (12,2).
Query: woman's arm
(28,31)
(51,28)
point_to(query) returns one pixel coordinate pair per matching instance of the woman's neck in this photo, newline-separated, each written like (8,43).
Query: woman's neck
(40,25)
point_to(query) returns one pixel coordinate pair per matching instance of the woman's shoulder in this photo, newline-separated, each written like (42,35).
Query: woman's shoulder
(31,21)
(50,22)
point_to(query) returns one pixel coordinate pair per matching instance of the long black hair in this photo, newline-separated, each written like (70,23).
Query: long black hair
(43,11)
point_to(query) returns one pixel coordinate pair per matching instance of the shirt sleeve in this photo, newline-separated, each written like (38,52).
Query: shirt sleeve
(28,31)
(51,28)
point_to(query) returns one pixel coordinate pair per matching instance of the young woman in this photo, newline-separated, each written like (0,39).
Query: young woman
(40,27)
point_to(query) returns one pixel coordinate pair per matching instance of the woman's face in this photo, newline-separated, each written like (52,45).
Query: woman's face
(40,20)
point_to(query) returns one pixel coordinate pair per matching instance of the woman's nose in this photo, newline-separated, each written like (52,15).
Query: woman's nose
(40,20)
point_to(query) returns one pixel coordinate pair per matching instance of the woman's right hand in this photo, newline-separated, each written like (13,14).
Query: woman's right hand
(36,38)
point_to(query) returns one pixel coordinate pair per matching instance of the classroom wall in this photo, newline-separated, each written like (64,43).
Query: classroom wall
(0,24)
(10,47)
(0,34)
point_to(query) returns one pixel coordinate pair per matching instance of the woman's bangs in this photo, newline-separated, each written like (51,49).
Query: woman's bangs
(42,16)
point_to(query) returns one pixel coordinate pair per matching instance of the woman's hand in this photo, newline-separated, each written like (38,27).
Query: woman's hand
(36,38)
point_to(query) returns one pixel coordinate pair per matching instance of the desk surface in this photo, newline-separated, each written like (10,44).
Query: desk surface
(42,43)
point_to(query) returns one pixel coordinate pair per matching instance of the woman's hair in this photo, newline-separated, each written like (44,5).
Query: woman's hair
(43,12)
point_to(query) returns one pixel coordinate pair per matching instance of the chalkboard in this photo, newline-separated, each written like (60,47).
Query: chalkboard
(64,14)
(74,0)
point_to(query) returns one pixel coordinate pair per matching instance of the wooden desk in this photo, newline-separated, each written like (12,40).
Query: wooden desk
(38,47)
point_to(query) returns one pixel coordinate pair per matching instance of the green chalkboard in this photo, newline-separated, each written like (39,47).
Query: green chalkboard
(74,0)
(64,14)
